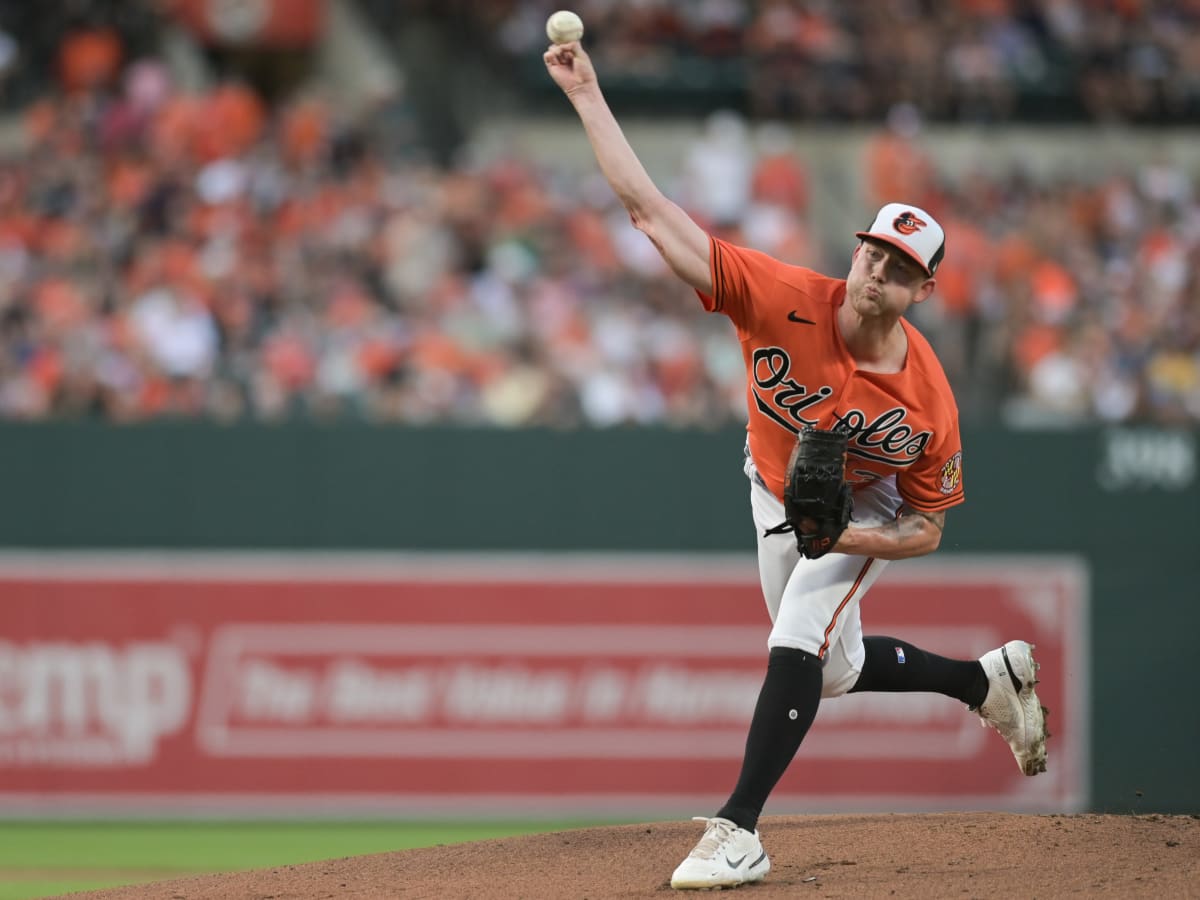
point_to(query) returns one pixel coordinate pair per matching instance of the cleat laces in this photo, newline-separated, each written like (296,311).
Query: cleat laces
(717,832)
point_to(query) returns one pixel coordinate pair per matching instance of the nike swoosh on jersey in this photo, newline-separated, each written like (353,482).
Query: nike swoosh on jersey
(792,317)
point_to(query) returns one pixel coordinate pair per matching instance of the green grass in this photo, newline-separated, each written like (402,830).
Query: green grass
(41,859)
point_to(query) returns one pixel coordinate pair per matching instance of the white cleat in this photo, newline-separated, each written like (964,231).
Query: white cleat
(725,857)
(1012,705)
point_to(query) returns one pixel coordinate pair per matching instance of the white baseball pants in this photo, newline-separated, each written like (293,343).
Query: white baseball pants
(814,603)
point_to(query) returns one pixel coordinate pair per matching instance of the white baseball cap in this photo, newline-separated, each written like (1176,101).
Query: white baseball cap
(912,230)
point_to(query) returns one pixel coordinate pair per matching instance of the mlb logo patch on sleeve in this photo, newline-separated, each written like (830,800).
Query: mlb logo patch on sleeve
(900,655)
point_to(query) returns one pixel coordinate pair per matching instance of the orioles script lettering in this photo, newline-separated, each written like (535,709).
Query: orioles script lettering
(885,438)
(784,397)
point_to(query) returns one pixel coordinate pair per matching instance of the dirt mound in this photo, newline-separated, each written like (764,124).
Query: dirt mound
(941,855)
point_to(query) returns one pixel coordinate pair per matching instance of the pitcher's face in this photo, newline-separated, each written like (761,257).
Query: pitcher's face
(885,282)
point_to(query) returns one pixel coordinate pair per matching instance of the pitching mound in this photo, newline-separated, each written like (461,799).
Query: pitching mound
(943,855)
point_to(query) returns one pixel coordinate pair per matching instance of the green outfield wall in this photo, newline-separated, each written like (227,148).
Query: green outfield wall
(1126,501)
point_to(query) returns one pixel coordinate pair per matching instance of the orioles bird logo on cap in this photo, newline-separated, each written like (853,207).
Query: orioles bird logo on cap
(907,223)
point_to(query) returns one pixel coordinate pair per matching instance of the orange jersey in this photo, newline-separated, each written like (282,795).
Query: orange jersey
(800,372)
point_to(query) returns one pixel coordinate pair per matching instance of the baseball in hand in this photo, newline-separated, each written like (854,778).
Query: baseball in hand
(564,26)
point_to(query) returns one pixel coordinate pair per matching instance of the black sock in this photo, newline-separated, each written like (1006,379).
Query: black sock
(895,665)
(787,705)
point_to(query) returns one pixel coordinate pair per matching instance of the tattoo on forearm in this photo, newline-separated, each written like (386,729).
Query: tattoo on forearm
(911,523)
(907,535)
(908,527)
(937,519)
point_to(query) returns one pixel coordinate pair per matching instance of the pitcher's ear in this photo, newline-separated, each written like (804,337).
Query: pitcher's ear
(925,291)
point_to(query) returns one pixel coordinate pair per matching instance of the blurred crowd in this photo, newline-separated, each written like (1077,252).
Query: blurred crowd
(179,254)
(205,254)
(962,60)
(72,43)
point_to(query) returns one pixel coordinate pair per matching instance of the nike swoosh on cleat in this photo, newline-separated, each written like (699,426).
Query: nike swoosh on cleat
(1016,682)
(792,317)
(733,864)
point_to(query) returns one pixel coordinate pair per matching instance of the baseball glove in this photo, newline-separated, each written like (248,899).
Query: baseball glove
(816,499)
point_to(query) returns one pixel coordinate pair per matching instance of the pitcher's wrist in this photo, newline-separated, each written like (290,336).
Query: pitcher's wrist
(584,94)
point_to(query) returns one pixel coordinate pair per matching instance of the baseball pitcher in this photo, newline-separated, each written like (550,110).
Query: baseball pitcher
(853,458)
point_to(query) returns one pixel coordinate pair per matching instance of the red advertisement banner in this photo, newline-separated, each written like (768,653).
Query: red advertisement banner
(511,684)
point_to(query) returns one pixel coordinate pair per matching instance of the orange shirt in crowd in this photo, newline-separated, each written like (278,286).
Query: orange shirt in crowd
(231,119)
(89,58)
(780,180)
(801,373)
(897,167)
(303,131)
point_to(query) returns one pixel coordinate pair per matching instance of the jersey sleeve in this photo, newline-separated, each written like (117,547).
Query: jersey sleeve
(738,275)
(934,482)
